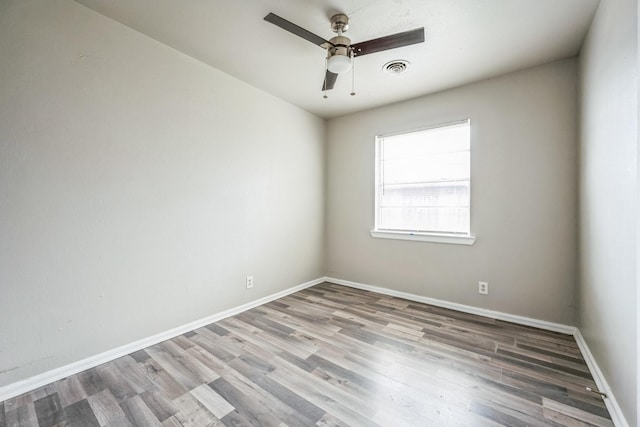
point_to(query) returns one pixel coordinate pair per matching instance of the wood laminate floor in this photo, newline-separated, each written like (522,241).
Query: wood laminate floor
(332,356)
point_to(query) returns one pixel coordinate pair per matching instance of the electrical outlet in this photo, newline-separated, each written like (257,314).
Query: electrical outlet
(483,288)
(249,282)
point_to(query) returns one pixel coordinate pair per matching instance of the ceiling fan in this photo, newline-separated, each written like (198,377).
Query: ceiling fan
(340,51)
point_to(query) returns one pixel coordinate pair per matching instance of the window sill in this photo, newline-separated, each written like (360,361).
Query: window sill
(454,239)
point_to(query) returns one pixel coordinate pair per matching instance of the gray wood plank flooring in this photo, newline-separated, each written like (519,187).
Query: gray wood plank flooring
(332,356)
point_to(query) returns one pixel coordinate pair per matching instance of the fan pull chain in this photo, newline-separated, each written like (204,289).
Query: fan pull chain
(326,68)
(353,75)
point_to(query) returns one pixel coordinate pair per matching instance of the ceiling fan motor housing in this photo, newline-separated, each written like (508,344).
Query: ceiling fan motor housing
(340,46)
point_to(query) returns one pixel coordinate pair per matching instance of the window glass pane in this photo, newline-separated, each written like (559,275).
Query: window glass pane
(428,142)
(449,220)
(438,167)
(440,194)
(424,180)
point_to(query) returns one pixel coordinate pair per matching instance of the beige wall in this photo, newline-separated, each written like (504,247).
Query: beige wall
(609,197)
(138,188)
(523,196)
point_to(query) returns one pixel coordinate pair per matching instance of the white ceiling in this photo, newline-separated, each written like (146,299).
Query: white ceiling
(466,41)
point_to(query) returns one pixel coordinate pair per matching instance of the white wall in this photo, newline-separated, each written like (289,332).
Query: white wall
(523,197)
(609,197)
(138,188)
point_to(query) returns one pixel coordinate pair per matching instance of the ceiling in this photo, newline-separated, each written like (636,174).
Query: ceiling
(466,41)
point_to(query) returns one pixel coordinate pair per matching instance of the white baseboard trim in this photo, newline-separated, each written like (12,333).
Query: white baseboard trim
(617,416)
(521,320)
(32,383)
(612,405)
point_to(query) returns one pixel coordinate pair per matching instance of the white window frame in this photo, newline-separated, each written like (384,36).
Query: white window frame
(451,238)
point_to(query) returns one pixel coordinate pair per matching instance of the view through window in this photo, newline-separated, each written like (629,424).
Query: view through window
(423,180)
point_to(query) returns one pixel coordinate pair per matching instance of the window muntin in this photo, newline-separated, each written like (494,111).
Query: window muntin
(423,181)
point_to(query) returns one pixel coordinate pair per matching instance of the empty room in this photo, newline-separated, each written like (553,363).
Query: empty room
(319,213)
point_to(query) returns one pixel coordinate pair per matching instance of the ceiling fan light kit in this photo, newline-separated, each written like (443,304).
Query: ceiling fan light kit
(339,64)
(340,52)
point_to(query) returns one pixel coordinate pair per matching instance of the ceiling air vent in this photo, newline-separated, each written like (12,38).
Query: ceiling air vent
(395,67)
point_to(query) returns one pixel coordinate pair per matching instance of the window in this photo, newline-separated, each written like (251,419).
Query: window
(423,185)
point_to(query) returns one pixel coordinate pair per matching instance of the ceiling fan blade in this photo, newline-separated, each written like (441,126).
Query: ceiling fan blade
(329,80)
(389,42)
(295,29)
